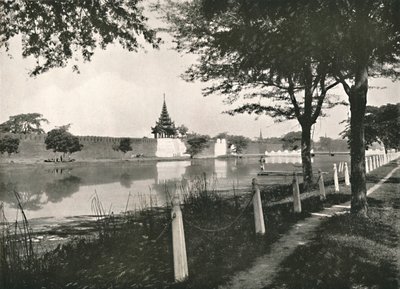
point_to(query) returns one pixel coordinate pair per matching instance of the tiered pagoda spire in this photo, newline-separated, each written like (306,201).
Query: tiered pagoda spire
(165,127)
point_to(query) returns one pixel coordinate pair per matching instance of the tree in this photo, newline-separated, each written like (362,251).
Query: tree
(9,144)
(325,144)
(183,130)
(60,140)
(364,42)
(54,32)
(291,140)
(347,40)
(382,124)
(260,50)
(240,142)
(222,135)
(124,145)
(24,123)
(196,144)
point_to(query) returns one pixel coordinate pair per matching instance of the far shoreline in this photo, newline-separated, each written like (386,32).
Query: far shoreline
(29,163)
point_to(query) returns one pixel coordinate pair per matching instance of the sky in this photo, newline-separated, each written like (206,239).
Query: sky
(120,93)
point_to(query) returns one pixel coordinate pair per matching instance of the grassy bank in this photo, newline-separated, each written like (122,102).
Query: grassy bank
(352,251)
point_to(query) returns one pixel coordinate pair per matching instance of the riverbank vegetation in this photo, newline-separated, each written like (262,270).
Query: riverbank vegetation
(134,250)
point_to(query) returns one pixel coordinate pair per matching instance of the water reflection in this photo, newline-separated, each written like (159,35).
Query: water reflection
(126,180)
(66,191)
(171,170)
(57,190)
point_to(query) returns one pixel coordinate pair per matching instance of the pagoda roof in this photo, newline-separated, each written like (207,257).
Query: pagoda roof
(164,120)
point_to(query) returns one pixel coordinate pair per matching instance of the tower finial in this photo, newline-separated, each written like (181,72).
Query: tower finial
(164,96)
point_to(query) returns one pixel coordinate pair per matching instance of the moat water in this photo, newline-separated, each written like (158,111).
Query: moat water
(59,193)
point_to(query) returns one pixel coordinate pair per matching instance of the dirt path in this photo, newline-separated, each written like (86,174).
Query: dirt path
(264,268)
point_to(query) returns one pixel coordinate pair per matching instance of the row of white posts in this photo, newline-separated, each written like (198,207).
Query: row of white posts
(178,236)
(375,161)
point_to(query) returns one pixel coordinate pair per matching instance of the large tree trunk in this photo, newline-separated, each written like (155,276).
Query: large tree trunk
(306,156)
(306,123)
(358,103)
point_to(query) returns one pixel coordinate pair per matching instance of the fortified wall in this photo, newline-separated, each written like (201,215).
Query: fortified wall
(218,147)
(33,148)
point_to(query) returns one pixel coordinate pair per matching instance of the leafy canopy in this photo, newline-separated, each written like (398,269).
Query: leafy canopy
(291,140)
(9,144)
(124,145)
(238,141)
(183,130)
(60,140)
(257,50)
(382,124)
(196,144)
(24,123)
(54,32)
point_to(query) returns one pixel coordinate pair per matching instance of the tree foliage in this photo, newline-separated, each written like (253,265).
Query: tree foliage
(60,140)
(238,141)
(54,32)
(183,130)
(291,140)
(222,135)
(259,49)
(262,52)
(325,144)
(124,145)
(382,124)
(24,123)
(196,144)
(364,42)
(290,47)
(9,144)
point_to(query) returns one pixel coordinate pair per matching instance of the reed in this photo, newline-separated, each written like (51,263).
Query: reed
(18,256)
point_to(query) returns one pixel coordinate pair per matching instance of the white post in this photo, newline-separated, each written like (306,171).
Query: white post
(335,178)
(296,194)
(366,165)
(371,163)
(178,242)
(378,160)
(321,184)
(258,211)
(373,167)
(346,175)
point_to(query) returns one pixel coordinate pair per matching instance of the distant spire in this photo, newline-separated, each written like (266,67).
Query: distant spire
(261,136)
(165,127)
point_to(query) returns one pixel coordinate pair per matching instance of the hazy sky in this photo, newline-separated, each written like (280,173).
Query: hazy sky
(120,93)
